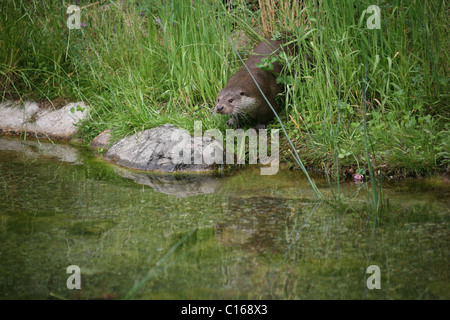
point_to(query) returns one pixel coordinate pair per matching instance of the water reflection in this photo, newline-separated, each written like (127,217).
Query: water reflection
(179,185)
(239,237)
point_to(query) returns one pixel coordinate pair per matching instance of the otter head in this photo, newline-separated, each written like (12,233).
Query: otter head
(232,100)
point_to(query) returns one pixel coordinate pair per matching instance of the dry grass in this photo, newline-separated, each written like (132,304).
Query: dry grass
(282,14)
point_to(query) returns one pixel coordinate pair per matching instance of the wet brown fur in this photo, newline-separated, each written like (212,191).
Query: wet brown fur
(241,85)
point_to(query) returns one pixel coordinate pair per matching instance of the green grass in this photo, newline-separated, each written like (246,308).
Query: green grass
(140,64)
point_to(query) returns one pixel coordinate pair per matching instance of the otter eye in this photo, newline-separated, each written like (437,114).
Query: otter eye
(242,93)
(230,100)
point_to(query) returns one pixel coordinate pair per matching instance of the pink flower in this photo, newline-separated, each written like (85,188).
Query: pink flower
(358,177)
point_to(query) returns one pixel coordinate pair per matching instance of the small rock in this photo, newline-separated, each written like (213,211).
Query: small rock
(102,141)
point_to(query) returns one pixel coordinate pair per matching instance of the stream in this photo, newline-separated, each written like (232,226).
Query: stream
(207,236)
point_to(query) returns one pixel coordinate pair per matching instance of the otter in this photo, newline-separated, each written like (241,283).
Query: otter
(241,97)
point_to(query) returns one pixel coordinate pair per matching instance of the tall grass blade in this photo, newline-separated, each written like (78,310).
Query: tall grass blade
(294,153)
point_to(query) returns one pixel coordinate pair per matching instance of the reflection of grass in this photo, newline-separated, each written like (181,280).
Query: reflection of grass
(151,273)
(91,227)
(319,253)
(328,252)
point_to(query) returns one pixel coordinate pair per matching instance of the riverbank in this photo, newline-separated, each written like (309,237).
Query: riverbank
(142,64)
(152,150)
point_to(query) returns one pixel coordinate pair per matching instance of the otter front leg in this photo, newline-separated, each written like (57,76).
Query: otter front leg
(260,126)
(233,122)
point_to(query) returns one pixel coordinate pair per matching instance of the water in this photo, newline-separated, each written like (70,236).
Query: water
(243,236)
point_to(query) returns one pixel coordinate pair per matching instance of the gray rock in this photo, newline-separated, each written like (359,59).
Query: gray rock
(28,118)
(59,123)
(15,118)
(165,149)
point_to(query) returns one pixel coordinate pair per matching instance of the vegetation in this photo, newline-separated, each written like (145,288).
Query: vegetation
(143,63)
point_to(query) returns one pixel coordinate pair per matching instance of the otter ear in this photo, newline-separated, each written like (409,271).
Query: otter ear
(242,93)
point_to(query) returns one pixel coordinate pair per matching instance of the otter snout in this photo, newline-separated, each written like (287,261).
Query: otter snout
(223,109)
(219,109)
